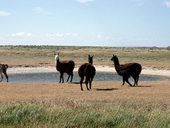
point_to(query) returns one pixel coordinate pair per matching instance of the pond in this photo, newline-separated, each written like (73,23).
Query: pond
(54,77)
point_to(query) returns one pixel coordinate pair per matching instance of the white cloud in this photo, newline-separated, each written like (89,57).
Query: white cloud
(61,35)
(85,1)
(22,34)
(41,11)
(167,3)
(4,13)
(53,35)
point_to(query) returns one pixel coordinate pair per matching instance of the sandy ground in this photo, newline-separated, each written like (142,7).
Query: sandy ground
(145,70)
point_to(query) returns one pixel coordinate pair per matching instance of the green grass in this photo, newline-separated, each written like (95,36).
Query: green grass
(83,115)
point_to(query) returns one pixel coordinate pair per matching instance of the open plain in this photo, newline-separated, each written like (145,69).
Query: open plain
(108,104)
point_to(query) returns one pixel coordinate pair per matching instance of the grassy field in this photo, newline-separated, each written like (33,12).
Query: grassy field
(44,55)
(108,104)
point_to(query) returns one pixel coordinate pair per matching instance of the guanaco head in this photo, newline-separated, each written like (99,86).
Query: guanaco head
(90,59)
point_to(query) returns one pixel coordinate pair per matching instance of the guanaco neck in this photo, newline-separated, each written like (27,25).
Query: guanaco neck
(117,64)
(91,61)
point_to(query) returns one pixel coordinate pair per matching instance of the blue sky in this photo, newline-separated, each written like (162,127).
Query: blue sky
(85,22)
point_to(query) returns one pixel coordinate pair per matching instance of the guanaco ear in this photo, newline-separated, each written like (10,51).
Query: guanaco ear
(91,56)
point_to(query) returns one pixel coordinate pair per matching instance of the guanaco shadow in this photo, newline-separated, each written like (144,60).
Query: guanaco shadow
(74,82)
(97,89)
(106,89)
(142,86)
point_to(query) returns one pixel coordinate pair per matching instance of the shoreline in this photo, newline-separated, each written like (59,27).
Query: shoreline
(26,70)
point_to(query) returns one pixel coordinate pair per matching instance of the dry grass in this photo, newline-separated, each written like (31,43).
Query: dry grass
(157,93)
(44,55)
